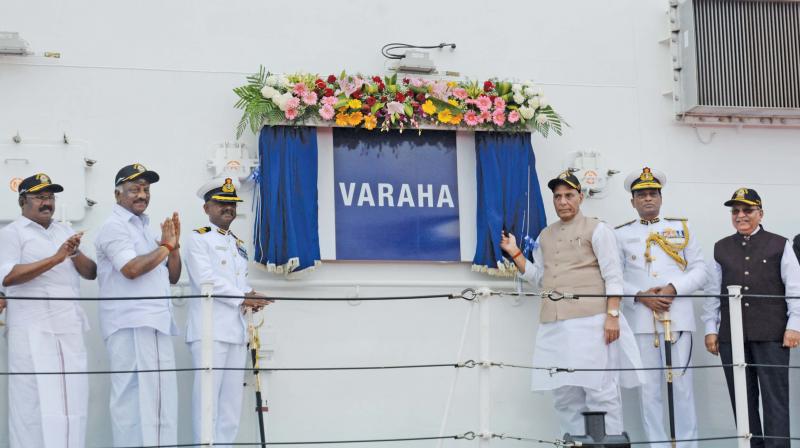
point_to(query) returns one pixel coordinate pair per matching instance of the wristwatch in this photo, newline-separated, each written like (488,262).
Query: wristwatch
(613,313)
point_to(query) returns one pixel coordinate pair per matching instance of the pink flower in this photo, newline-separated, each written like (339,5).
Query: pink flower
(513,116)
(417,82)
(471,118)
(395,108)
(329,100)
(460,93)
(310,98)
(499,104)
(499,118)
(484,103)
(291,113)
(299,89)
(327,112)
(485,116)
(293,103)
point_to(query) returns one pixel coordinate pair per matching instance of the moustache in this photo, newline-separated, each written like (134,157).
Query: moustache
(45,207)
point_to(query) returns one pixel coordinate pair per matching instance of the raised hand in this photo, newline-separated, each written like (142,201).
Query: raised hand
(70,246)
(176,224)
(168,233)
(508,242)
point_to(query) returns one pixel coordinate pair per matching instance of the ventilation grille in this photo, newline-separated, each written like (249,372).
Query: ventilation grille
(748,53)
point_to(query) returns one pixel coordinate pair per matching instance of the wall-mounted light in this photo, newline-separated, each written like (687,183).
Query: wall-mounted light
(412,60)
(12,44)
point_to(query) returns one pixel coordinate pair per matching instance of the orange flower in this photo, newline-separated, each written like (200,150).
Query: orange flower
(355,118)
(370,122)
(456,119)
(341,119)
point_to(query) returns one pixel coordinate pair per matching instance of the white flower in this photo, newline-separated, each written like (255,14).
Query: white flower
(534,103)
(272,80)
(284,82)
(543,102)
(528,83)
(519,98)
(541,118)
(526,112)
(268,92)
(281,100)
(539,91)
(516,88)
(530,92)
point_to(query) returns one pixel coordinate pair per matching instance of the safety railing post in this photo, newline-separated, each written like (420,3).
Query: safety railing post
(484,374)
(206,361)
(739,366)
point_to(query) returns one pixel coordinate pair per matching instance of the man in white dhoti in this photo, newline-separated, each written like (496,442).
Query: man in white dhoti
(41,258)
(214,255)
(578,255)
(131,262)
(660,256)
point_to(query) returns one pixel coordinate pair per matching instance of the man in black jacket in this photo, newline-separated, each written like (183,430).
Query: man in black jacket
(762,263)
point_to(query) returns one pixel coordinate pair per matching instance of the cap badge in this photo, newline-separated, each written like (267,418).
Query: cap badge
(139,168)
(43,178)
(646,175)
(741,193)
(227,187)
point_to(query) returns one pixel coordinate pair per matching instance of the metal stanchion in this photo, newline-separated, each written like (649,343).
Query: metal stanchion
(484,374)
(739,366)
(206,361)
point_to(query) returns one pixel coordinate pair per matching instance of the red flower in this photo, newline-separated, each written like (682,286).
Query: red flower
(320,84)
(328,92)
(421,97)
(365,109)
(399,97)
(406,81)
(331,79)
(492,97)
(384,99)
(377,79)
(371,101)
(356,94)
(381,87)
(487,86)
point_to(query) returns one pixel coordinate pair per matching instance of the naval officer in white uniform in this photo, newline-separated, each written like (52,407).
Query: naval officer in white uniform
(133,262)
(660,255)
(40,257)
(215,255)
(578,255)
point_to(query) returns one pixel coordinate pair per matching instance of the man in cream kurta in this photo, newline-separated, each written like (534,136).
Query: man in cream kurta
(215,256)
(660,256)
(578,255)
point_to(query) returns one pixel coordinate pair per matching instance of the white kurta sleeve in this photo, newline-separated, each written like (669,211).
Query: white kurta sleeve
(115,242)
(11,253)
(605,248)
(534,271)
(695,276)
(790,274)
(711,306)
(198,264)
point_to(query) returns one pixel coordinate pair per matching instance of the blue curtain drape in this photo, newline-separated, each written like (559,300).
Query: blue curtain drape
(508,198)
(286,229)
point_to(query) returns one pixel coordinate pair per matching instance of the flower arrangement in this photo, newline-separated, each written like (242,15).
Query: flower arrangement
(389,103)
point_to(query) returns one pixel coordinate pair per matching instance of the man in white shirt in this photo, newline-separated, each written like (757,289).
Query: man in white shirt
(660,256)
(132,262)
(578,255)
(762,263)
(41,258)
(216,256)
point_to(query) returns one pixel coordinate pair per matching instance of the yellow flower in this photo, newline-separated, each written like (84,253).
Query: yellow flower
(452,102)
(342,109)
(341,119)
(445,116)
(452,84)
(370,122)
(456,119)
(428,107)
(354,104)
(355,118)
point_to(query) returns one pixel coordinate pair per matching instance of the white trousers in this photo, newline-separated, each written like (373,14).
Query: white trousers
(227,391)
(653,392)
(46,411)
(144,406)
(571,401)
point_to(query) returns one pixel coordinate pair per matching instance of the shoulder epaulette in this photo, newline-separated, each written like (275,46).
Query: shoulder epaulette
(625,224)
(675,219)
(236,238)
(202,230)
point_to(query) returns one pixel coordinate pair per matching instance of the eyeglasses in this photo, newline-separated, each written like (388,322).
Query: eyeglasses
(43,197)
(745,211)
